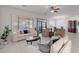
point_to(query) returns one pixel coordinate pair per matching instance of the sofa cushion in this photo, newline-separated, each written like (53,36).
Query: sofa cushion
(56,46)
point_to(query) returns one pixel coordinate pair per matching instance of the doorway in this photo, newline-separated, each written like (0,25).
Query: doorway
(72,26)
(41,25)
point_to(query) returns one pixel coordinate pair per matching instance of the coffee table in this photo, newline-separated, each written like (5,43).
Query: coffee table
(32,39)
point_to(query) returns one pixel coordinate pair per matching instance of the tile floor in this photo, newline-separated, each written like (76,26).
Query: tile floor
(21,46)
(74,37)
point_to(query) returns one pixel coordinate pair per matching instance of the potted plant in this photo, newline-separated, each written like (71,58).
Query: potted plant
(5,34)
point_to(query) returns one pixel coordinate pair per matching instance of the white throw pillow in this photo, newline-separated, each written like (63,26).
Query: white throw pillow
(55,48)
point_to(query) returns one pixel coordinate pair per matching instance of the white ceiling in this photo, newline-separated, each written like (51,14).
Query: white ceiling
(39,9)
(44,9)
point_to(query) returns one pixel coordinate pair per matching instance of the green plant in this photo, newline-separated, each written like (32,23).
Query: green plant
(5,33)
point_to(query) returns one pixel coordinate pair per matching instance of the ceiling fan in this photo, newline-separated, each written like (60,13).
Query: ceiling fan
(54,9)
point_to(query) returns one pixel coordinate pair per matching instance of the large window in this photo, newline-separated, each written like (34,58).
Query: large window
(25,24)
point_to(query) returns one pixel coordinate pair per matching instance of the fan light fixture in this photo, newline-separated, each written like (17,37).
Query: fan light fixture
(54,9)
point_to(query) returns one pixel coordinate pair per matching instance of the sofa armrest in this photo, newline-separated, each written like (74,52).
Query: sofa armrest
(55,48)
(66,48)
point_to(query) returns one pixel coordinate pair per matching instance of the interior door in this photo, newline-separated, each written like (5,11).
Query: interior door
(72,26)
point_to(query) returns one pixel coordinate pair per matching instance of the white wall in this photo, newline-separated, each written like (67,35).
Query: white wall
(0,17)
(7,12)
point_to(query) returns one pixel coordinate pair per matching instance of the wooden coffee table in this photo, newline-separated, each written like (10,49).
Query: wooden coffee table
(33,39)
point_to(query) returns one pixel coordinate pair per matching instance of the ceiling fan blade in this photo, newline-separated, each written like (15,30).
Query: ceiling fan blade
(54,8)
(57,9)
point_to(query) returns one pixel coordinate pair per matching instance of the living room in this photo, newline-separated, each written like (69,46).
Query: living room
(25,21)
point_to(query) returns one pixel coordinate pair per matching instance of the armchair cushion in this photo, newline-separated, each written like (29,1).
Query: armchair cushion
(45,48)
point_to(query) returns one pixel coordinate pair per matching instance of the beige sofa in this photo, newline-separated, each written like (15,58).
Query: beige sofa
(61,46)
(18,37)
